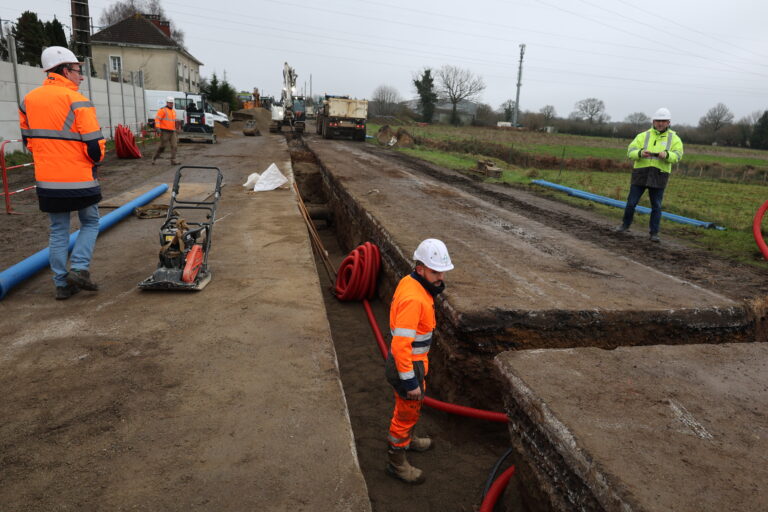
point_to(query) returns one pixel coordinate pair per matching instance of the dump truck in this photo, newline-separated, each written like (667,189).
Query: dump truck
(340,115)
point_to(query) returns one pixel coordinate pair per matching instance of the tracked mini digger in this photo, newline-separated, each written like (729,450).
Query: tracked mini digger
(184,244)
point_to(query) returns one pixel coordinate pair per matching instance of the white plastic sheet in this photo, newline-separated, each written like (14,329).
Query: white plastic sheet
(252,179)
(270,179)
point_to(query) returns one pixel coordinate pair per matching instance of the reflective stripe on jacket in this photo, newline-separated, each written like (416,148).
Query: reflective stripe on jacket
(165,119)
(655,141)
(411,320)
(60,128)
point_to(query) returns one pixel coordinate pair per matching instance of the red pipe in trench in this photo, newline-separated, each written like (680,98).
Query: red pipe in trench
(356,280)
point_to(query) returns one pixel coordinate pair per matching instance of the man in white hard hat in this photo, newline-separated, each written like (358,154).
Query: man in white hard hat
(60,128)
(165,123)
(412,321)
(654,151)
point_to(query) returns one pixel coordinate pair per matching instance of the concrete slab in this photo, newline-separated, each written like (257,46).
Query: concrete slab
(642,428)
(518,282)
(226,399)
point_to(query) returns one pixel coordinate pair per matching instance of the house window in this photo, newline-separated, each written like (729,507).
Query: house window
(115,63)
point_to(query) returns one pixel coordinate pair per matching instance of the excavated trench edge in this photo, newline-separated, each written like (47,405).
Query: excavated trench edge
(463,369)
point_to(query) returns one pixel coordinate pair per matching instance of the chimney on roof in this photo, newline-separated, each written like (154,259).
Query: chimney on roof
(164,26)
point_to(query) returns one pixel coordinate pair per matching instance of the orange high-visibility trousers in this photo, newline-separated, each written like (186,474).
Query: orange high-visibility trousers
(404,418)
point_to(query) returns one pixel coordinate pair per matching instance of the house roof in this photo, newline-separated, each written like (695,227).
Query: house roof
(136,30)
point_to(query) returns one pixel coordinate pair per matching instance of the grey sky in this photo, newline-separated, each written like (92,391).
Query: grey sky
(686,55)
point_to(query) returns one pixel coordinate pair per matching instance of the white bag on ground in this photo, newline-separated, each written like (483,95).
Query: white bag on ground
(270,179)
(252,179)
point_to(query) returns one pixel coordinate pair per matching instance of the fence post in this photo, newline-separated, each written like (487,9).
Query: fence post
(13,57)
(88,78)
(143,95)
(109,100)
(135,105)
(122,94)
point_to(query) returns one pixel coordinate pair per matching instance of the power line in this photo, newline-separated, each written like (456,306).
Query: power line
(707,35)
(679,36)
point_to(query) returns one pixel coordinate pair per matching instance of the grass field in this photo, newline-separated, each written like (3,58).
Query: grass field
(575,146)
(731,205)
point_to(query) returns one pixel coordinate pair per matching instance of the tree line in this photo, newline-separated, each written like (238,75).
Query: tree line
(589,117)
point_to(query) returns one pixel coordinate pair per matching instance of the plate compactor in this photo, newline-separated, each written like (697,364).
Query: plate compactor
(184,244)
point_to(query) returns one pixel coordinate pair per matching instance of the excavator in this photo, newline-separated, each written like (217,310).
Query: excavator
(291,110)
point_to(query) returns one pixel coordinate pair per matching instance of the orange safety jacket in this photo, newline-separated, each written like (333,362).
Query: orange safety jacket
(411,320)
(60,128)
(166,119)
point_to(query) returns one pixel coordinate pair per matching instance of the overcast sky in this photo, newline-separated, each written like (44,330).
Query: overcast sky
(685,55)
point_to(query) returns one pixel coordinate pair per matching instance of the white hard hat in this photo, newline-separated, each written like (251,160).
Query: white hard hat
(55,55)
(662,114)
(434,254)
(169,99)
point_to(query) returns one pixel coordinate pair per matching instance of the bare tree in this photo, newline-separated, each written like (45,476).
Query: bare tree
(716,118)
(548,111)
(591,110)
(458,84)
(385,100)
(122,9)
(638,120)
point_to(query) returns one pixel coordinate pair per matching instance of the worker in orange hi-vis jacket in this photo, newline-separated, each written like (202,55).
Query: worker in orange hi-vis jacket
(165,123)
(412,321)
(59,126)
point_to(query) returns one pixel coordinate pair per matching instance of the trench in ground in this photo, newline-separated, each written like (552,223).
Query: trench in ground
(466,449)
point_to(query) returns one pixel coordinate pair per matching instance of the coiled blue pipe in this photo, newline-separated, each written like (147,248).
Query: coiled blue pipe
(622,204)
(26,268)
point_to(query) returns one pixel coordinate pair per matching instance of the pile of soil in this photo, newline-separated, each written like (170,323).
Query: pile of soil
(221,131)
(404,139)
(262,117)
(384,135)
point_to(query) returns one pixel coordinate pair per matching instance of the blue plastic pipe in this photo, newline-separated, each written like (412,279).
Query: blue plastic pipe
(622,204)
(25,269)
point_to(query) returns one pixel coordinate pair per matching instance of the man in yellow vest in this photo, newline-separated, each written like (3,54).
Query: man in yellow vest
(60,128)
(653,152)
(165,123)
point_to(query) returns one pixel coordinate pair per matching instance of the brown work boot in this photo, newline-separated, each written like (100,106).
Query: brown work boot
(398,467)
(65,292)
(420,444)
(81,279)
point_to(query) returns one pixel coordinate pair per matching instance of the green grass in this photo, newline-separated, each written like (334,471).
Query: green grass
(17,158)
(730,205)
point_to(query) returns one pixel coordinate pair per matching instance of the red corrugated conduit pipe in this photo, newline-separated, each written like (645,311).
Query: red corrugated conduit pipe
(757,231)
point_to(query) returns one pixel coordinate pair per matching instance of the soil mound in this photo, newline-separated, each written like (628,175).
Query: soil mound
(385,135)
(262,117)
(404,139)
(221,131)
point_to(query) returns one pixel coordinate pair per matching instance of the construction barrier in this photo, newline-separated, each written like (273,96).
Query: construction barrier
(6,192)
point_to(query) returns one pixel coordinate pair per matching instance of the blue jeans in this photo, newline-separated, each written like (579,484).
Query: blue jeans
(58,242)
(655,195)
